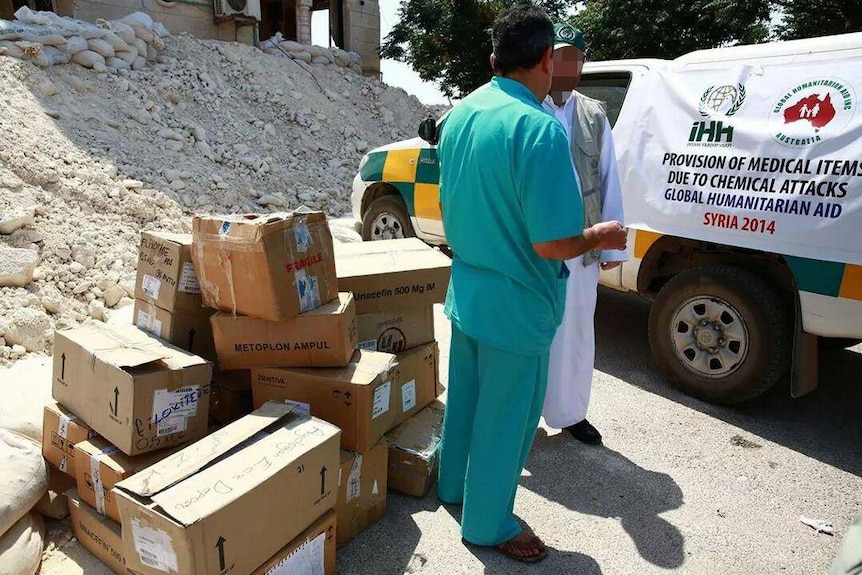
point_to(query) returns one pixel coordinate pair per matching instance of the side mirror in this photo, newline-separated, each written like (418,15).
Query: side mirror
(428,131)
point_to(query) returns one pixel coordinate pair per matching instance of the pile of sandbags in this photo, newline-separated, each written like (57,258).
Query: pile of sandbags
(310,54)
(47,39)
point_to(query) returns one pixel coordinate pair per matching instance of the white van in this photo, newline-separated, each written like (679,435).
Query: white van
(741,173)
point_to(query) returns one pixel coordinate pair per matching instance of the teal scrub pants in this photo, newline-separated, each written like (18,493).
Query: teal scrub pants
(493,407)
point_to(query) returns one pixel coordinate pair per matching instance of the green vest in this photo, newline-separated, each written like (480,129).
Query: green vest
(587,131)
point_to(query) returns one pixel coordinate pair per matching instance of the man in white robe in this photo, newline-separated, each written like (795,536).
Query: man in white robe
(570,370)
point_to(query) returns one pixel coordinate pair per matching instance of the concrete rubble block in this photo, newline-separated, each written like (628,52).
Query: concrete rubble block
(17,266)
(29,327)
(16,218)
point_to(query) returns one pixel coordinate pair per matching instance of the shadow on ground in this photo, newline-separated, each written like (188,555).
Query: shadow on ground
(824,425)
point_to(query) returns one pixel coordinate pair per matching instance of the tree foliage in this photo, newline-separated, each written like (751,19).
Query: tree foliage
(807,18)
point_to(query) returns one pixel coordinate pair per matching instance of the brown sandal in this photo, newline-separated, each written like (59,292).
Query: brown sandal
(524,551)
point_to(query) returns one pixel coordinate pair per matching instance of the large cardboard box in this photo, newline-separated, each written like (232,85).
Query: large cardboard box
(361,490)
(100,466)
(391,275)
(188,330)
(61,430)
(272,266)
(324,337)
(230,396)
(414,451)
(310,553)
(166,275)
(133,389)
(359,398)
(417,381)
(99,535)
(396,331)
(227,503)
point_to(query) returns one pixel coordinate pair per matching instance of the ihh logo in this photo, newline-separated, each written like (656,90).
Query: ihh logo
(712,131)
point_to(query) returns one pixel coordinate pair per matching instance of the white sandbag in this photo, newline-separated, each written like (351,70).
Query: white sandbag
(160,30)
(123,30)
(51,56)
(21,546)
(75,44)
(272,42)
(142,24)
(63,25)
(23,477)
(31,33)
(141,47)
(139,64)
(117,43)
(117,64)
(101,47)
(25,388)
(127,56)
(89,59)
(11,49)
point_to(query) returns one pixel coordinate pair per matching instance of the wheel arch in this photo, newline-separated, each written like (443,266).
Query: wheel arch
(378,190)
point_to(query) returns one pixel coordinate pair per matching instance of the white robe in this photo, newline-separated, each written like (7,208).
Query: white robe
(570,369)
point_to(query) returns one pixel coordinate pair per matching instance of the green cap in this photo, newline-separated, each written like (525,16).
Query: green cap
(568,35)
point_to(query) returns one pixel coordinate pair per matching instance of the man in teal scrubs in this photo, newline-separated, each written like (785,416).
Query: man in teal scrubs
(512,213)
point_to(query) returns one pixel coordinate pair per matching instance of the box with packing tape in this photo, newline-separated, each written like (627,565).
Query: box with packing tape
(358,398)
(396,331)
(100,466)
(414,451)
(230,396)
(99,535)
(61,430)
(228,503)
(136,391)
(188,330)
(361,491)
(417,381)
(166,275)
(272,266)
(324,337)
(310,553)
(390,275)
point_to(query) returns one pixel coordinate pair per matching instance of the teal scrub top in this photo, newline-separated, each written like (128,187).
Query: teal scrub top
(506,182)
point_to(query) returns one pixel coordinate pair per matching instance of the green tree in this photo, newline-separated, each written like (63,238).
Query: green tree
(617,29)
(809,18)
(449,41)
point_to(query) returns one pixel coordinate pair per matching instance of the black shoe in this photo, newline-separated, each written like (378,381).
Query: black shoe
(584,431)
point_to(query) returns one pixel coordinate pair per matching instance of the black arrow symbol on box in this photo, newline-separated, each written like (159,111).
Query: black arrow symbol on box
(220,546)
(116,401)
(63,369)
(192,339)
(323,480)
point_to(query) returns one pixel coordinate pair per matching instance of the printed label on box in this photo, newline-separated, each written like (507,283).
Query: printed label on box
(353,481)
(151,286)
(309,291)
(154,548)
(408,396)
(381,400)
(299,407)
(302,235)
(146,323)
(368,345)
(171,409)
(188,279)
(307,559)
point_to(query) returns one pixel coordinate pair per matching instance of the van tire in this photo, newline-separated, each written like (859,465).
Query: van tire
(387,212)
(731,292)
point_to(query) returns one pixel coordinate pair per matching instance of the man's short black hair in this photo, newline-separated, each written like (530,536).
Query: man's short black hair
(521,36)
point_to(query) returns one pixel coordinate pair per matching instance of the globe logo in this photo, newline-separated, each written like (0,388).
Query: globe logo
(724,100)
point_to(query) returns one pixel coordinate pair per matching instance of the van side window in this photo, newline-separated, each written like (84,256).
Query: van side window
(608,87)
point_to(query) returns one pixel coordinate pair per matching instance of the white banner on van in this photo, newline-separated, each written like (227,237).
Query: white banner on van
(764,157)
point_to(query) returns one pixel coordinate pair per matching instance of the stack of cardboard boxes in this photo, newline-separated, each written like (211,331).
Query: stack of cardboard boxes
(333,345)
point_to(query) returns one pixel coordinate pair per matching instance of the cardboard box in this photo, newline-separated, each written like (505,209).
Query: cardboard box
(361,490)
(397,331)
(61,430)
(414,451)
(230,396)
(359,398)
(391,275)
(227,503)
(272,266)
(134,390)
(54,504)
(311,553)
(99,535)
(417,381)
(101,466)
(188,330)
(166,275)
(325,337)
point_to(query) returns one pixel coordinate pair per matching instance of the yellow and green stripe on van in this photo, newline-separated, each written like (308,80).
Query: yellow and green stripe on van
(832,279)
(414,172)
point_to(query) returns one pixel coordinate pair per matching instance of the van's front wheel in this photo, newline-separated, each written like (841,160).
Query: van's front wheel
(387,219)
(720,333)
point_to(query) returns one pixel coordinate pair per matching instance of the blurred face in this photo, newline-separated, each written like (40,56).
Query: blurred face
(568,64)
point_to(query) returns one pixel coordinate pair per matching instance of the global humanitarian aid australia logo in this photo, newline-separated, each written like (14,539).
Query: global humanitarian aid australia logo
(812,112)
(716,105)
